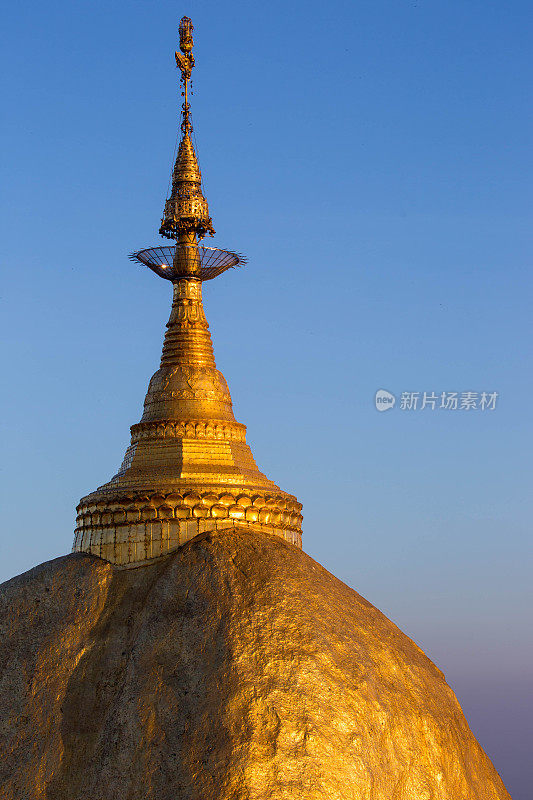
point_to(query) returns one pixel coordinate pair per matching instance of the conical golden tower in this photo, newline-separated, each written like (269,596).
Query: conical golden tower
(188,468)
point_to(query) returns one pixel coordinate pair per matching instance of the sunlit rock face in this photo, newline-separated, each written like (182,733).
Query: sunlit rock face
(236,668)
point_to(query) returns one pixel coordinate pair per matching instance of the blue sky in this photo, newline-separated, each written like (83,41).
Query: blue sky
(373,160)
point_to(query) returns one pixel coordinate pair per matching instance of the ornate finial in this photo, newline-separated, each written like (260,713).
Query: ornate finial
(186,216)
(185,63)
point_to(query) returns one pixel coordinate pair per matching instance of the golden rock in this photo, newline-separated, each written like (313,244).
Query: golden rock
(224,663)
(234,668)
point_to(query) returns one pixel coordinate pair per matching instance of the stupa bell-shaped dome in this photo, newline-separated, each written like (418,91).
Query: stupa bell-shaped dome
(188,468)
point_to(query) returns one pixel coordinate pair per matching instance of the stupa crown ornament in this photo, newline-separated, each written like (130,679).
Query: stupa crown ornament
(186,213)
(188,468)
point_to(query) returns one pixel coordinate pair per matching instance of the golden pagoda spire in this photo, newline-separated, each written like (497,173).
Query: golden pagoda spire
(188,468)
(186,214)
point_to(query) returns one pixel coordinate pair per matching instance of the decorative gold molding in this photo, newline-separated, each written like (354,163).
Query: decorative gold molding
(221,430)
(131,529)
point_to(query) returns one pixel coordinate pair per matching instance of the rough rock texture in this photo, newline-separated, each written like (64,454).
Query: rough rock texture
(236,668)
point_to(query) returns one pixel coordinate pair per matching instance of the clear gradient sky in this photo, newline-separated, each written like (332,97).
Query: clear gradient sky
(373,160)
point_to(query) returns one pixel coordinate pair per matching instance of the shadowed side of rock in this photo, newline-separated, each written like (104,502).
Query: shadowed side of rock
(235,668)
(46,618)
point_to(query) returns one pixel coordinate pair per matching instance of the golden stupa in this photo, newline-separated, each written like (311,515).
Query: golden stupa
(188,468)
